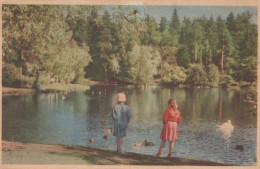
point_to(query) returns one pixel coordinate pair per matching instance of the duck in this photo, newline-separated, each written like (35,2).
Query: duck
(106,136)
(104,122)
(91,140)
(107,130)
(63,97)
(240,147)
(226,128)
(138,144)
(146,143)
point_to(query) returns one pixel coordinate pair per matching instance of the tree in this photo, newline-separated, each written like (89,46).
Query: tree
(143,64)
(175,23)
(45,45)
(184,53)
(196,37)
(210,42)
(213,75)
(245,36)
(163,24)
(226,46)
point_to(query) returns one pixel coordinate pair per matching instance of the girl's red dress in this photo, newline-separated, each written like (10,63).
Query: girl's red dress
(170,121)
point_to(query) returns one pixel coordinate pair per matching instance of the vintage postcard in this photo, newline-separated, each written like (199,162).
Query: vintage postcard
(132,84)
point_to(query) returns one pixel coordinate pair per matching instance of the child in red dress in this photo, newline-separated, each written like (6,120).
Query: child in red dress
(169,132)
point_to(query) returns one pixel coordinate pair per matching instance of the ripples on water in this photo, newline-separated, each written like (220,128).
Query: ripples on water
(51,119)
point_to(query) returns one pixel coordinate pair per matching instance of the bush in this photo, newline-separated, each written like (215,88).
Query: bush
(196,75)
(173,75)
(27,81)
(244,84)
(225,80)
(10,75)
(213,75)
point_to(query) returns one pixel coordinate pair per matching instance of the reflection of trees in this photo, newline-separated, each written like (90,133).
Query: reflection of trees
(193,109)
(202,103)
(220,114)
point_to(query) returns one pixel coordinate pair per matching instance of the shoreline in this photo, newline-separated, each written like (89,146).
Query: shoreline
(34,153)
(77,87)
(48,89)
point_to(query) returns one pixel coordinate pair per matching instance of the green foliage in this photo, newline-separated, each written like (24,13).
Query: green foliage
(86,41)
(143,62)
(213,75)
(27,81)
(173,75)
(225,80)
(42,45)
(196,75)
(10,75)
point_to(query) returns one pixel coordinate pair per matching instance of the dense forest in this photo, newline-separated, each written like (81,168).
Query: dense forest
(75,43)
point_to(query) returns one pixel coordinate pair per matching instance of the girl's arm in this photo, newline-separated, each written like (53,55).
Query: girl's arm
(179,118)
(165,117)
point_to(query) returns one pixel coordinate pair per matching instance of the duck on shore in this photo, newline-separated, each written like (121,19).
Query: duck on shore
(147,143)
(107,130)
(103,122)
(106,137)
(137,144)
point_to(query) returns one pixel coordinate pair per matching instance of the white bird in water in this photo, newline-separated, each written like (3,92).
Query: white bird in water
(99,92)
(63,97)
(226,128)
(93,92)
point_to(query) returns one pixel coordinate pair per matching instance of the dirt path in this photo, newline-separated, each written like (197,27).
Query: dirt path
(30,153)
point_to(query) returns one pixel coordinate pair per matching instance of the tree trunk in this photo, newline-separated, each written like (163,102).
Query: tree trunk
(196,50)
(21,67)
(222,55)
(161,66)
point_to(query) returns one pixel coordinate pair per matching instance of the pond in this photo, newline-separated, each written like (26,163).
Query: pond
(73,118)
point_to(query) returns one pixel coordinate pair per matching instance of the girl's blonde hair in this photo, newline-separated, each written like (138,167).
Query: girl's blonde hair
(172,102)
(121,97)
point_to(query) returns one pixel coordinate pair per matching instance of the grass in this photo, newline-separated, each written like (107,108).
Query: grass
(29,153)
(109,157)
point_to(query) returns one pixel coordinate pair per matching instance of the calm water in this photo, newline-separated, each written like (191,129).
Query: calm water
(53,119)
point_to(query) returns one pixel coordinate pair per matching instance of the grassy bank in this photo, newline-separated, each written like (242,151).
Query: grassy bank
(30,153)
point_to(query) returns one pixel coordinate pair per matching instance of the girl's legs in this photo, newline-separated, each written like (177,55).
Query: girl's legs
(161,147)
(119,143)
(171,148)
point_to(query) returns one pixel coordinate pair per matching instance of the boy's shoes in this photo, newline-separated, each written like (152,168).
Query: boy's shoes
(169,155)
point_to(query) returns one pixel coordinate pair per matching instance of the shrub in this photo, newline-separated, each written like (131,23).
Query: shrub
(196,75)
(27,81)
(225,80)
(10,75)
(173,75)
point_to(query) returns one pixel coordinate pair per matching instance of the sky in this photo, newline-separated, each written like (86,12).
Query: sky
(196,11)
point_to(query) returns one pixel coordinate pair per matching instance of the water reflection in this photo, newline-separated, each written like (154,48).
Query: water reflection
(53,119)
